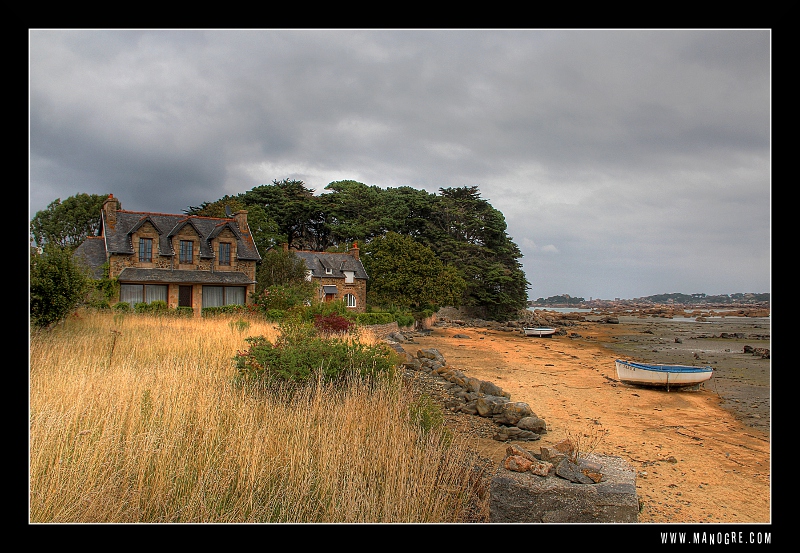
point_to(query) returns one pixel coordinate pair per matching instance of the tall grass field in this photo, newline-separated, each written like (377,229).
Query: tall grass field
(140,419)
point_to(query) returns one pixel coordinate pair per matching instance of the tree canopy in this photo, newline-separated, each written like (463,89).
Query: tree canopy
(404,273)
(68,223)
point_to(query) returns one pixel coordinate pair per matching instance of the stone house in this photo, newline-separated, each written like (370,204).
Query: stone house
(185,260)
(341,276)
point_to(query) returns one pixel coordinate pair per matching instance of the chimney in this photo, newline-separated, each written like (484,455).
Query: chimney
(354,250)
(241,219)
(110,207)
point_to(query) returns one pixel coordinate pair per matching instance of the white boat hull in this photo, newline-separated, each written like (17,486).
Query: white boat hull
(539,331)
(665,376)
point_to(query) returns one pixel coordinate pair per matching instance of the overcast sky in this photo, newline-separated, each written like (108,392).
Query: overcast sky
(627,163)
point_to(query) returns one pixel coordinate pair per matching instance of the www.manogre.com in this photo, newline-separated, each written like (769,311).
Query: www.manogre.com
(713,538)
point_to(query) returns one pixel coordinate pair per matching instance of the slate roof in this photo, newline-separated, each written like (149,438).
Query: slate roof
(337,262)
(118,238)
(165,276)
(92,252)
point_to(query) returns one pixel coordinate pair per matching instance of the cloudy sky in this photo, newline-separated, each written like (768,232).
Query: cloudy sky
(626,162)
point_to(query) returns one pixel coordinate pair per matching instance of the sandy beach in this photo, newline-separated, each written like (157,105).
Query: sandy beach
(701,456)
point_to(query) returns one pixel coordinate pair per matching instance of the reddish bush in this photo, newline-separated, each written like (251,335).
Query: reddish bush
(332,323)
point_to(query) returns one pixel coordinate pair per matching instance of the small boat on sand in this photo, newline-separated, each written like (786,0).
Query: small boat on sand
(662,376)
(540,331)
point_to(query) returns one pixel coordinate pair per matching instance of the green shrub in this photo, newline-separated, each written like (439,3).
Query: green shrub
(224,310)
(159,306)
(374,318)
(404,319)
(326,308)
(301,355)
(282,296)
(184,311)
(57,285)
(154,307)
(275,315)
(122,306)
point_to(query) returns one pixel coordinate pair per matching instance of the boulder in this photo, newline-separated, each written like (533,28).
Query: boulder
(533,423)
(526,497)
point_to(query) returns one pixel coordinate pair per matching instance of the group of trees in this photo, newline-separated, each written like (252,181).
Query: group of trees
(419,249)
(455,238)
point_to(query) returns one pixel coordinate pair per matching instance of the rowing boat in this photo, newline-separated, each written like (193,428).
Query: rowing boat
(540,331)
(663,376)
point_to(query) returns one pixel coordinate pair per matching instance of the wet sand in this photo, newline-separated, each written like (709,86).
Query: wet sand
(700,456)
(741,380)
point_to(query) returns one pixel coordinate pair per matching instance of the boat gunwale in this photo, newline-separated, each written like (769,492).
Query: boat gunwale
(666,368)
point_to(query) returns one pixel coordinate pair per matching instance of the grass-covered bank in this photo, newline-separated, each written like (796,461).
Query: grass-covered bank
(134,418)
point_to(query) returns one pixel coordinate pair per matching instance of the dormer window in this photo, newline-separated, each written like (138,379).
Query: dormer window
(186,255)
(328,271)
(146,250)
(224,253)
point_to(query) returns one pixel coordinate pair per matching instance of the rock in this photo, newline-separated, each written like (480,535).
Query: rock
(431,353)
(491,389)
(525,497)
(396,337)
(533,423)
(571,471)
(491,405)
(512,412)
(534,465)
(516,450)
(762,352)
(472,384)
(552,456)
(506,433)
(517,463)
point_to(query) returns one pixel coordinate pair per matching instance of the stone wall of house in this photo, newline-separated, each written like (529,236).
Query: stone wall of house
(358,288)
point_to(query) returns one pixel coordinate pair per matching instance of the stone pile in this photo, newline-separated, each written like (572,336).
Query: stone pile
(515,419)
(558,484)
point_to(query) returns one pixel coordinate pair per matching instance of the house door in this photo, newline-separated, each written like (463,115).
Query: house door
(184,296)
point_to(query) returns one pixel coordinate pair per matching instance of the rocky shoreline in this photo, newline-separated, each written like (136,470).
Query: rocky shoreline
(693,461)
(735,342)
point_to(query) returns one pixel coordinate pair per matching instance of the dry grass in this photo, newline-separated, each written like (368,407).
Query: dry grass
(137,419)
(584,441)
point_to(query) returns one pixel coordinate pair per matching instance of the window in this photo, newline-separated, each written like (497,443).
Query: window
(217,296)
(348,277)
(224,253)
(146,250)
(328,271)
(142,293)
(350,300)
(186,251)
